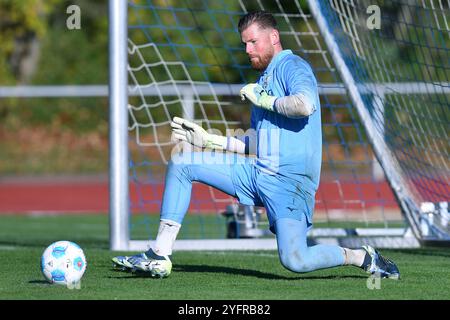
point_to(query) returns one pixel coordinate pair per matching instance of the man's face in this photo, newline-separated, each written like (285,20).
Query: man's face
(258,45)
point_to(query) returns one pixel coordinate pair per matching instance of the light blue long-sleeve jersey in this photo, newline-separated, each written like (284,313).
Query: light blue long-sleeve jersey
(287,146)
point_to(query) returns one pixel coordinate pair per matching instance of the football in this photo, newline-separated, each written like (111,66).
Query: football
(64,263)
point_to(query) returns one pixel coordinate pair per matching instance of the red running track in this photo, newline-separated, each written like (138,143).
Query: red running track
(92,196)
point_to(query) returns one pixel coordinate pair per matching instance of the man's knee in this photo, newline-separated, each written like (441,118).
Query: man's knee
(179,165)
(180,158)
(296,262)
(184,159)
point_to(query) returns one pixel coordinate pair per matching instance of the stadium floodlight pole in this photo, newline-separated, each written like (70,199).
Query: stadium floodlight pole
(118,126)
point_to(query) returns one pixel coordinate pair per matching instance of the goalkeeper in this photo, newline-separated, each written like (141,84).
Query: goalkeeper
(284,175)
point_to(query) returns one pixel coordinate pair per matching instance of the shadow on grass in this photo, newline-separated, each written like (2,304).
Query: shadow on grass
(256,273)
(237,271)
(39,282)
(128,274)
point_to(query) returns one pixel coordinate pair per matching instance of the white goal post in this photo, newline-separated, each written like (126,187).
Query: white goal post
(118,129)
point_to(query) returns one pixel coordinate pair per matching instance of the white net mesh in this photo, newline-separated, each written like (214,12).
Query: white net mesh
(186,59)
(401,70)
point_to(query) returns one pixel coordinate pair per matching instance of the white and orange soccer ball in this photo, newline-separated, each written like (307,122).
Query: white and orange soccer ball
(64,263)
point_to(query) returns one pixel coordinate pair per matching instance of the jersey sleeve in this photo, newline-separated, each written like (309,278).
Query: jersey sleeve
(300,79)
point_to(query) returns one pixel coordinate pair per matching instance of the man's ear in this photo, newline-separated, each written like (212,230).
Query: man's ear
(275,37)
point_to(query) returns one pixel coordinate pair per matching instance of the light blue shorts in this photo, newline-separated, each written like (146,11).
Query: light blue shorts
(240,177)
(283,197)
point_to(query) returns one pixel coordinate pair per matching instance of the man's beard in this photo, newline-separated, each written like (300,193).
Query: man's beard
(262,62)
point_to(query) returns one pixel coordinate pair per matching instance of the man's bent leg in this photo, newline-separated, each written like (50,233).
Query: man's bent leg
(296,256)
(213,169)
(294,253)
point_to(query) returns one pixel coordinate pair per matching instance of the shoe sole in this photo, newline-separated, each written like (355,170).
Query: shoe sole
(395,276)
(138,269)
(120,266)
(153,273)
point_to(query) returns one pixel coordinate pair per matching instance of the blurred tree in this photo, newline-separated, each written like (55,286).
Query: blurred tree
(78,56)
(22,25)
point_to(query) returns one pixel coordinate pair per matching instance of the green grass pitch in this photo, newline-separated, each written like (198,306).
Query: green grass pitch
(198,275)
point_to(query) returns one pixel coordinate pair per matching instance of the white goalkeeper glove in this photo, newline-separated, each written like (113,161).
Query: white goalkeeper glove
(258,96)
(188,131)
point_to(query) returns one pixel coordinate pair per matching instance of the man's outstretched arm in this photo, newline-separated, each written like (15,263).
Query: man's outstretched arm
(185,130)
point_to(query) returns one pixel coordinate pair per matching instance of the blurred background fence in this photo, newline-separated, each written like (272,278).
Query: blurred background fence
(54,109)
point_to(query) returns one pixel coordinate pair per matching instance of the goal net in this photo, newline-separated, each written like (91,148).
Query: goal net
(384,97)
(393,59)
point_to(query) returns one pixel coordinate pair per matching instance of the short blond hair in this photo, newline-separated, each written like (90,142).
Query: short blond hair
(263,18)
